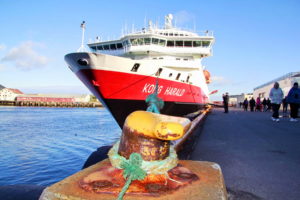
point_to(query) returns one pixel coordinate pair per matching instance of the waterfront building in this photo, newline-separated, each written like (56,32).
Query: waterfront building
(55,98)
(236,99)
(286,83)
(9,94)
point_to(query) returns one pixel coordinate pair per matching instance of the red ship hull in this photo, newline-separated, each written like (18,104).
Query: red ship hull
(123,93)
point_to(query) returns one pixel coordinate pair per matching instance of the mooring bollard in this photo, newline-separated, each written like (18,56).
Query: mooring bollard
(143,165)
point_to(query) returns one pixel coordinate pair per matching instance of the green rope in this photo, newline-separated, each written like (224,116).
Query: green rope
(150,167)
(132,171)
(155,104)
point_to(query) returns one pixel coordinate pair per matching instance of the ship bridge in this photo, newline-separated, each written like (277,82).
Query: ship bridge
(155,42)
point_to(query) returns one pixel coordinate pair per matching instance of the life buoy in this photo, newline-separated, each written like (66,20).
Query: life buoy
(207,76)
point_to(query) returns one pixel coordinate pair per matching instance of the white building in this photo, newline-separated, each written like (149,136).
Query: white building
(8,94)
(78,98)
(285,83)
(236,99)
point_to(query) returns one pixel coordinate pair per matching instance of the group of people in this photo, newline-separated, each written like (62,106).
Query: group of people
(293,98)
(276,98)
(257,104)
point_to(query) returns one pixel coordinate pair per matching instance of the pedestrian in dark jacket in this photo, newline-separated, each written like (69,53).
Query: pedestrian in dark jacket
(252,104)
(284,105)
(293,99)
(225,102)
(245,104)
(268,105)
(264,103)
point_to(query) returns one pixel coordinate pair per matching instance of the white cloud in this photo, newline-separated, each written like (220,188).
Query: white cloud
(25,56)
(183,17)
(2,47)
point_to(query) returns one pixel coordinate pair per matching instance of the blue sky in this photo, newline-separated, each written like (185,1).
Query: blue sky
(256,40)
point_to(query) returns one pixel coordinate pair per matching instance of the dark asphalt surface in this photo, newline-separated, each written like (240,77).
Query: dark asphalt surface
(260,159)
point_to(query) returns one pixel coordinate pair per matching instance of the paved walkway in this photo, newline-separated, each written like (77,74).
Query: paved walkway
(260,159)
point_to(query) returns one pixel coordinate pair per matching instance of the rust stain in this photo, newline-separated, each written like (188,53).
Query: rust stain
(110,180)
(150,148)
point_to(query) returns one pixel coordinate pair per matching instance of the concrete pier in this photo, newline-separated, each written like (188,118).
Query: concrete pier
(260,159)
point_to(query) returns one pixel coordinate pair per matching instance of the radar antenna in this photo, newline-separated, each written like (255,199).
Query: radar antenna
(168,21)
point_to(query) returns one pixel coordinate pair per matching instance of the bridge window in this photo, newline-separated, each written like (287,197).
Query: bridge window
(140,41)
(113,47)
(178,76)
(155,41)
(196,43)
(119,46)
(147,41)
(134,42)
(135,67)
(106,47)
(170,43)
(205,43)
(94,48)
(178,43)
(187,43)
(100,47)
(126,43)
(162,42)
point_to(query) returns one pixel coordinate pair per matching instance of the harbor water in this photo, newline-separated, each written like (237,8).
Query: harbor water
(42,145)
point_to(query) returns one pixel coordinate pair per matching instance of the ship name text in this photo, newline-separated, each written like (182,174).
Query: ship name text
(173,91)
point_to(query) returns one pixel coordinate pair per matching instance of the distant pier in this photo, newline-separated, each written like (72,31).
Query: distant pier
(50,104)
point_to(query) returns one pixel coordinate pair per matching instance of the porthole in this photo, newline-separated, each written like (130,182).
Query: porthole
(158,72)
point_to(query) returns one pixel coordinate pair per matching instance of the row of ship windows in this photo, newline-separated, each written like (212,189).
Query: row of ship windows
(173,34)
(159,71)
(155,41)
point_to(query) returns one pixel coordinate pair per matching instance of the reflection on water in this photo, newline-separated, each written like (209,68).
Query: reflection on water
(41,145)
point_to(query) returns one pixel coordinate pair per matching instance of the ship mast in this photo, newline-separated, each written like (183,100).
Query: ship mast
(82,49)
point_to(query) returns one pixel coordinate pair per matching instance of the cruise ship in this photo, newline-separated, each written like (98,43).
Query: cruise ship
(122,73)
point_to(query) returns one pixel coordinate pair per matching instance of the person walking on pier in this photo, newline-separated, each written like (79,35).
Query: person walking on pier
(264,104)
(258,104)
(276,96)
(225,102)
(284,105)
(252,104)
(245,104)
(268,105)
(293,99)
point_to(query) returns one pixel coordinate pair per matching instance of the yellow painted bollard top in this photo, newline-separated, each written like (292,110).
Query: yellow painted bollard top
(157,126)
